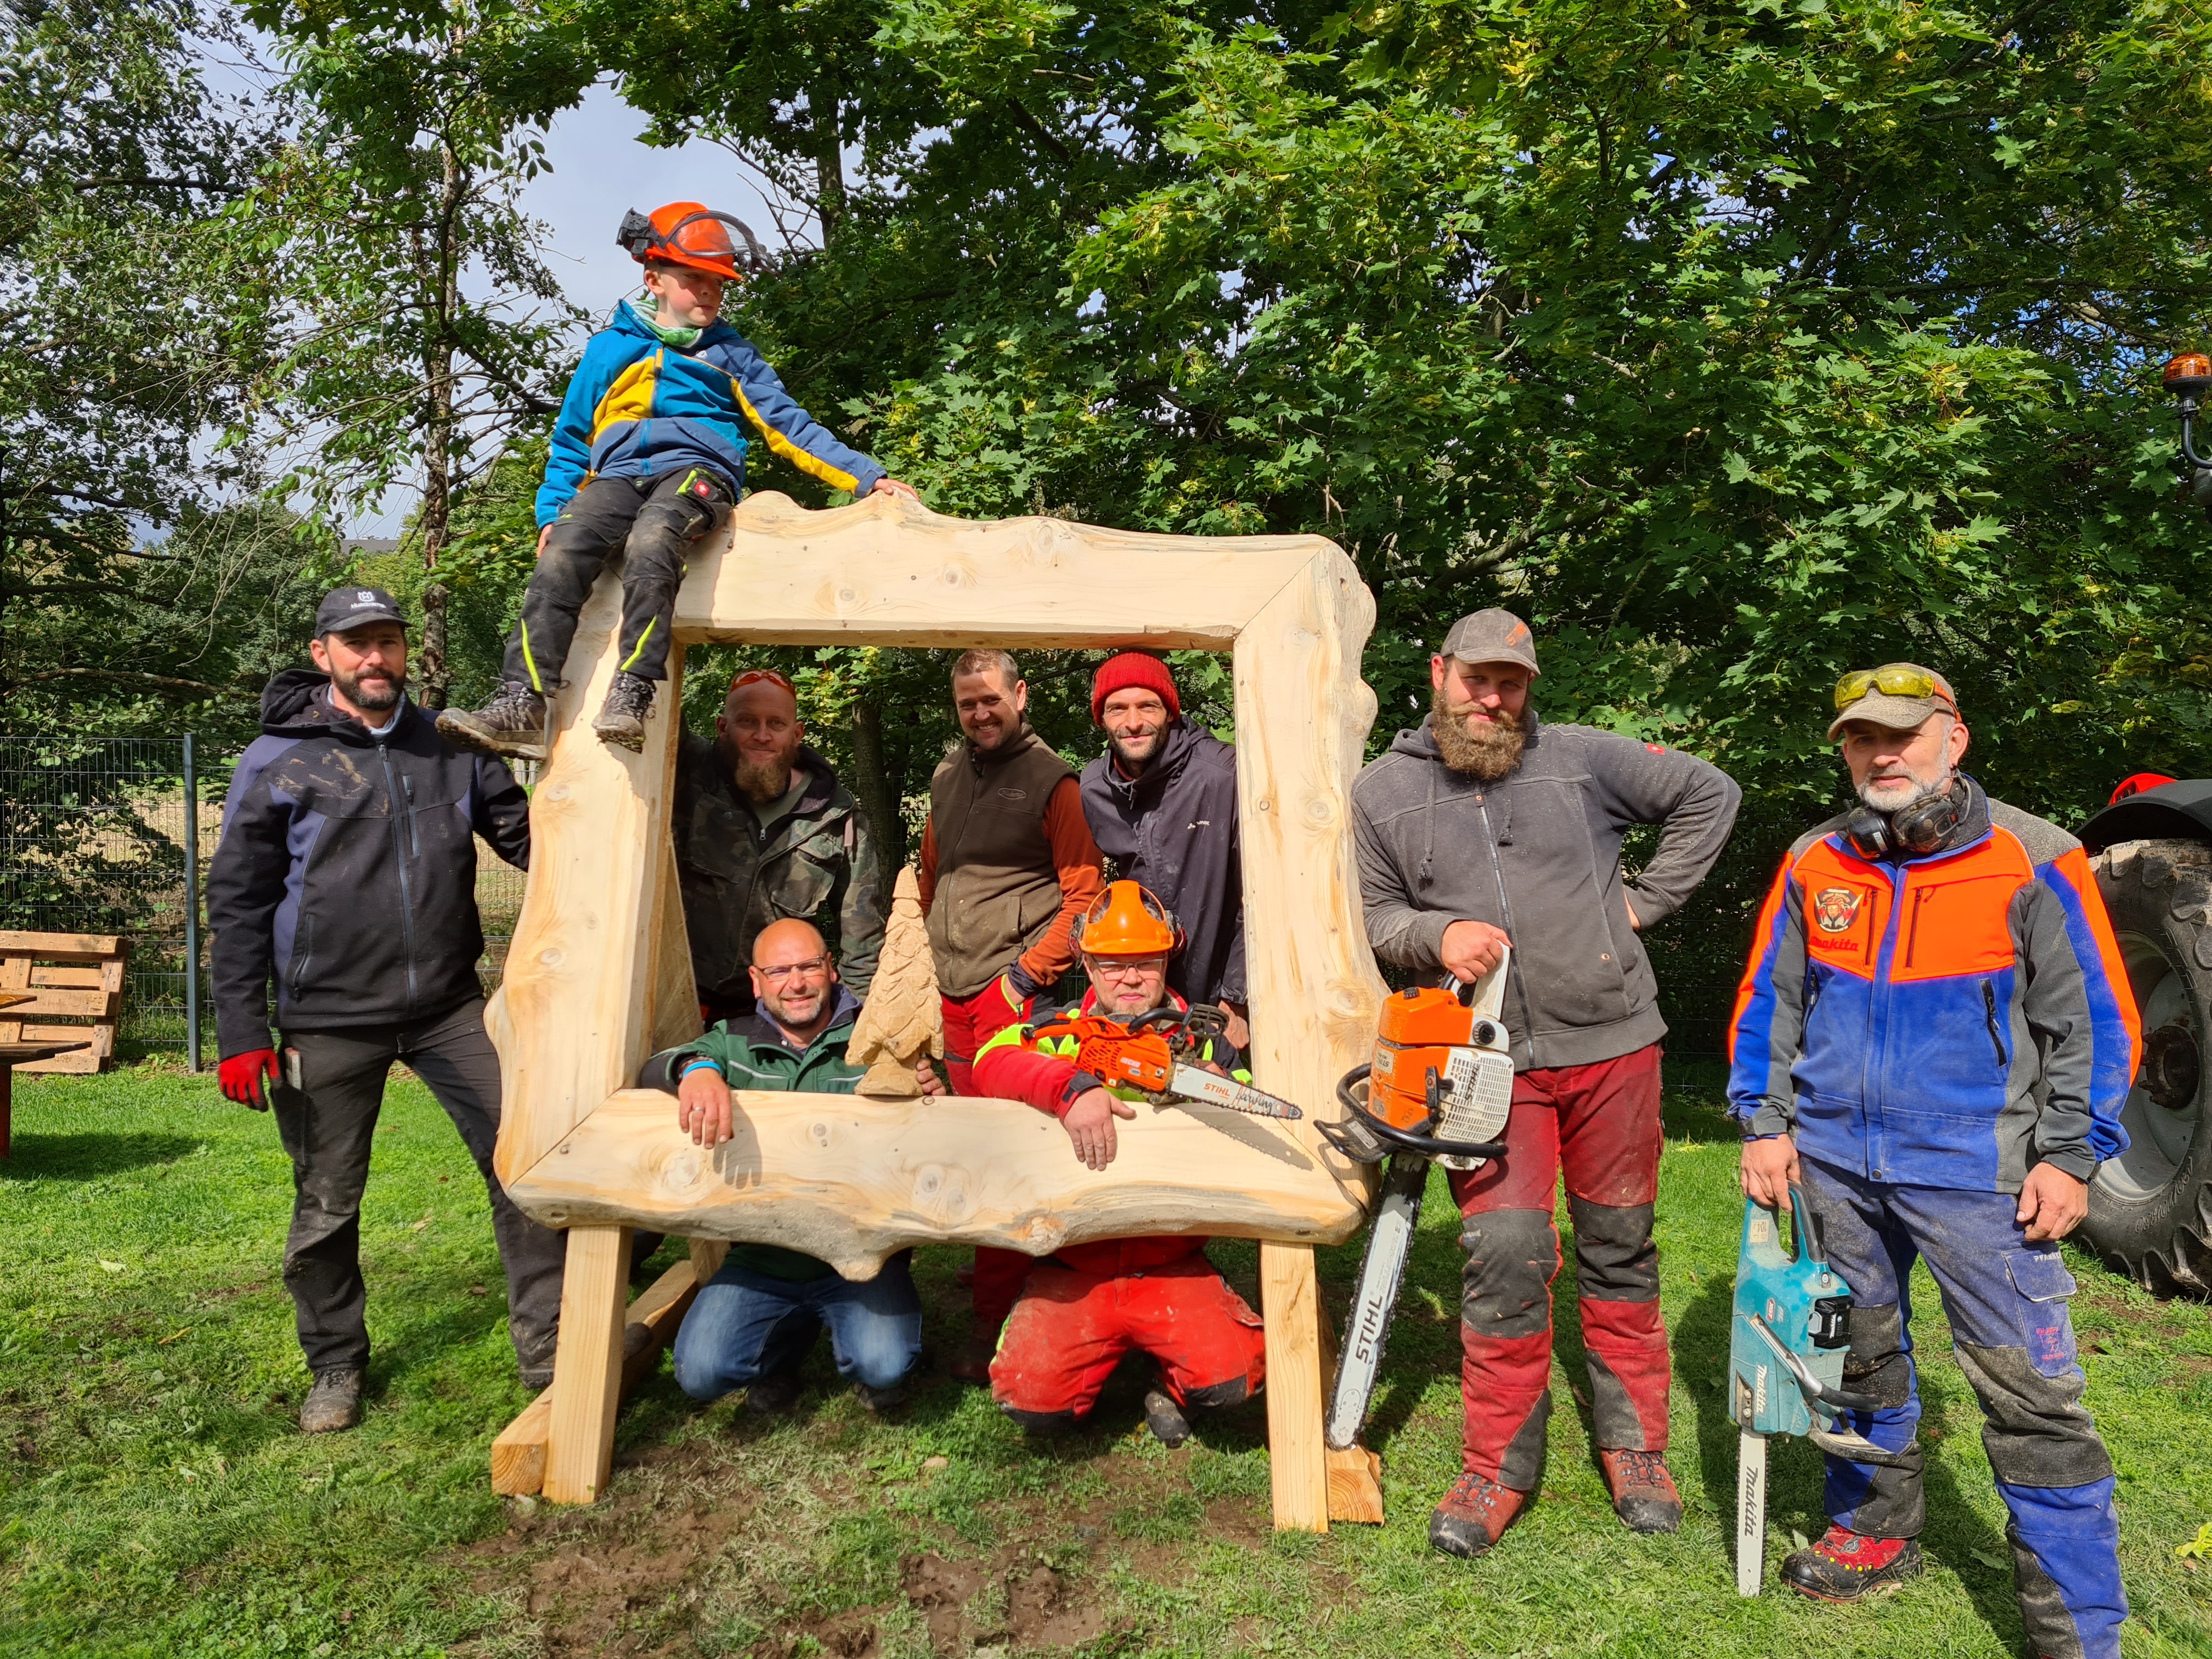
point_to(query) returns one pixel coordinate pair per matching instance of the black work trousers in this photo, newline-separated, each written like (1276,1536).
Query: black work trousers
(327,1122)
(653,523)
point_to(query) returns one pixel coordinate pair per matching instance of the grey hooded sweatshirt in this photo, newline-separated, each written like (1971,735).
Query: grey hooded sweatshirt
(1537,853)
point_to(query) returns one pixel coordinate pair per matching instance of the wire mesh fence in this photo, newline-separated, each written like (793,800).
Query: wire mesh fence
(97,836)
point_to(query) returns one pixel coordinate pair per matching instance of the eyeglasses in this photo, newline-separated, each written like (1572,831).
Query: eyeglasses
(776,975)
(1894,681)
(1125,967)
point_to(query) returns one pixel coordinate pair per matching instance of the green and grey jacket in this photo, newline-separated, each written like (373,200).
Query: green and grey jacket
(737,879)
(752,1054)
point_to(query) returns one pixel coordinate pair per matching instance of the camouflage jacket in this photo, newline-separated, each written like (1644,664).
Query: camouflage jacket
(736,880)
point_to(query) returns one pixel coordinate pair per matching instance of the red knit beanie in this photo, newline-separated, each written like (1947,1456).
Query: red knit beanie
(1133,668)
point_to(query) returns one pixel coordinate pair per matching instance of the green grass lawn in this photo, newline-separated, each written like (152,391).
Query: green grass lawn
(155,1497)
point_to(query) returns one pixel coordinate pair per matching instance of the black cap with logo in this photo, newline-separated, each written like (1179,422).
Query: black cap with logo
(345,608)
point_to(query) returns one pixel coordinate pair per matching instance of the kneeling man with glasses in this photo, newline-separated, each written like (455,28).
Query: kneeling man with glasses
(755,1319)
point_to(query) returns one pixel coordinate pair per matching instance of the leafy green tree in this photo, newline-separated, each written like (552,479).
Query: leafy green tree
(135,323)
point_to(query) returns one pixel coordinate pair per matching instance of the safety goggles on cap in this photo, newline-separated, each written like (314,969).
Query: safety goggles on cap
(644,236)
(1896,679)
(759,676)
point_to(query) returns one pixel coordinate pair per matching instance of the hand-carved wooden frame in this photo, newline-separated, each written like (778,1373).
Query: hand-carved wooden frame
(598,975)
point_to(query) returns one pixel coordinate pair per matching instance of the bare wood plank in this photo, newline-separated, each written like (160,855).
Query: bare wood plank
(61,1003)
(587,1366)
(101,1037)
(75,978)
(707,1256)
(63,947)
(886,571)
(518,1456)
(1297,1470)
(79,1062)
(852,1180)
(672,1005)
(14,975)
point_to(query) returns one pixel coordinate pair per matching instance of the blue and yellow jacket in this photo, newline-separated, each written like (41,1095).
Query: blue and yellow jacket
(1946,1020)
(637,407)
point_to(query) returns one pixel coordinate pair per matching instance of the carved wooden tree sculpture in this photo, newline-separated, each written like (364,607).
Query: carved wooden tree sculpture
(599,975)
(903,1019)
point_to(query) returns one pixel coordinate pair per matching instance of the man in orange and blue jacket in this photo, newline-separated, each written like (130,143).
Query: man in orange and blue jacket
(648,455)
(1932,1043)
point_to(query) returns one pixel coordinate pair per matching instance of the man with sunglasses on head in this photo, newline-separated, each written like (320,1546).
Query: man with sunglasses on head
(764,831)
(1087,1305)
(755,1321)
(1930,1048)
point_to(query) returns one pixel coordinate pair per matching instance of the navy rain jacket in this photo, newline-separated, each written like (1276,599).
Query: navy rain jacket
(348,869)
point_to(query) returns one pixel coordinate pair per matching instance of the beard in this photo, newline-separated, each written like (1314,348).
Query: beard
(1485,750)
(373,693)
(1135,753)
(763,781)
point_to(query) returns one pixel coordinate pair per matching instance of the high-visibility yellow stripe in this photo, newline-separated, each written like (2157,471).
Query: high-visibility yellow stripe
(791,452)
(531,662)
(630,661)
(630,398)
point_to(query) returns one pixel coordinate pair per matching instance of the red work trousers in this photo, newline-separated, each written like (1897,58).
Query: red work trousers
(969,1023)
(1599,1124)
(1070,1330)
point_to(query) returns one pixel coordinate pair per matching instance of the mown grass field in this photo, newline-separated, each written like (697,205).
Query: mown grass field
(156,1500)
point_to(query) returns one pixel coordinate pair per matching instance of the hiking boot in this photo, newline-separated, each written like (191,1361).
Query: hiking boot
(333,1403)
(1474,1516)
(622,716)
(973,1363)
(1643,1494)
(880,1401)
(1845,1566)
(773,1394)
(1165,1419)
(513,723)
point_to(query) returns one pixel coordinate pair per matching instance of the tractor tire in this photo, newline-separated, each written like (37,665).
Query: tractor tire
(2150,1209)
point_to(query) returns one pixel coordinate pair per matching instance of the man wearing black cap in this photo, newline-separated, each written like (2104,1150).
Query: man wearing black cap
(347,875)
(1482,829)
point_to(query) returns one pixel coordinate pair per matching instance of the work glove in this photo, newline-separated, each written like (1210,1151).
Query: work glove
(240,1076)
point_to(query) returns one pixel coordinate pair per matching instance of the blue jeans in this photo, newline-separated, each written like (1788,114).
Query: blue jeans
(2006,1299)
(745,1325)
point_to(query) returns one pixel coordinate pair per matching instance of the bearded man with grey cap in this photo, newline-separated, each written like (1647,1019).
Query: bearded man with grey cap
(1484,829)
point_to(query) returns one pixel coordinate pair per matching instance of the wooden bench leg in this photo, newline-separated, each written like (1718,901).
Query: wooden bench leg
(1290,1305)
(588,1365)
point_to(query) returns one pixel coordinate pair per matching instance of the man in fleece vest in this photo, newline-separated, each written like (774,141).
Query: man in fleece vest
(1480,830)
(1008,865)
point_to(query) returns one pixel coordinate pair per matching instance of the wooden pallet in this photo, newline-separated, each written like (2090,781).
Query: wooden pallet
(75,986)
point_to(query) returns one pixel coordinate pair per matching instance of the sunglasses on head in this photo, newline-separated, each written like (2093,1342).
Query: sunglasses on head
(1891,682)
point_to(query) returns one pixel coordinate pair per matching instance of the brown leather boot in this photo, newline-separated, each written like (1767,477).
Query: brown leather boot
(1474,1516)
(1644,1493)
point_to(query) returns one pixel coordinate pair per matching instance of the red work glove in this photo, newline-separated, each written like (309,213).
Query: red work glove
(240,1076)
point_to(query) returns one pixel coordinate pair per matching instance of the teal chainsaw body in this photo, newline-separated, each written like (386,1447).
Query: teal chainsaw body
(1791,1326)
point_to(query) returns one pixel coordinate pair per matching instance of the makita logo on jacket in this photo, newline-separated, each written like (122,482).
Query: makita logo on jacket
(637,408)
(347,868)
(1940,1021)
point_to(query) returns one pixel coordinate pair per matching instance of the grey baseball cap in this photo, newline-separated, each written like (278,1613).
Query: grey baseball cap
(1492,636)
(355,607)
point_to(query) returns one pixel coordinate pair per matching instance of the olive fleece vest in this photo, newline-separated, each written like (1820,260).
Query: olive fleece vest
(997,889)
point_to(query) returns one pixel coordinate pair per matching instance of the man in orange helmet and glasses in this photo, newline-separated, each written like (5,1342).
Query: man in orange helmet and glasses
(1086,1305)
(648,457)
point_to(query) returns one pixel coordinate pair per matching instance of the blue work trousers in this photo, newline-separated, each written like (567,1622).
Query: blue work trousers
(2006,1300)
(748,1325)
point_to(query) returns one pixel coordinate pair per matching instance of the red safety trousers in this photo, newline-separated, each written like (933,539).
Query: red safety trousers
(1599,1124)
(969,1023)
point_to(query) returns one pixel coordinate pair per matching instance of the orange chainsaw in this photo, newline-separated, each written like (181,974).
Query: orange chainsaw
(1156,1054)
(1439,1090)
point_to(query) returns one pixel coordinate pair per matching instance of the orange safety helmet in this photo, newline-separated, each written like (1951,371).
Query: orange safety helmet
(690,234)
(1126,921)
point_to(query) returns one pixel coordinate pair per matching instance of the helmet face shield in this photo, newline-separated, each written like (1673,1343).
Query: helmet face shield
(690,234)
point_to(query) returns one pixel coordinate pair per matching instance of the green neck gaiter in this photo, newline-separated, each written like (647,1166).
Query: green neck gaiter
(649,308)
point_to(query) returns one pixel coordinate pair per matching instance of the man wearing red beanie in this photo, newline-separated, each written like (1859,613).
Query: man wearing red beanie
(1161,804)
